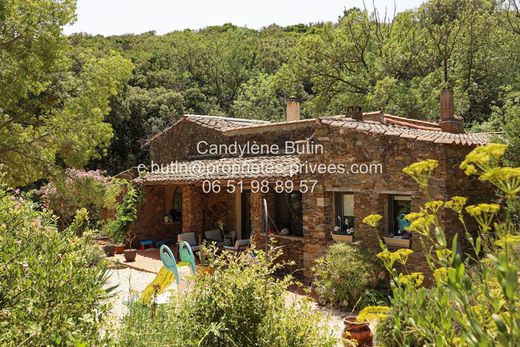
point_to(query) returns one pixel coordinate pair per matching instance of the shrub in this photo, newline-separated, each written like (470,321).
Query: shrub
(51,282)
(76,189)
(242,304)
(347,276)
(474,301)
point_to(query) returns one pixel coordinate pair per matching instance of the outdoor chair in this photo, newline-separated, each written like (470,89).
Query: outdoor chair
(240,245)
(214,236)
(190,239)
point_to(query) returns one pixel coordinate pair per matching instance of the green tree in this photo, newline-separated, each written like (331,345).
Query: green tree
(54,100)
(258,99)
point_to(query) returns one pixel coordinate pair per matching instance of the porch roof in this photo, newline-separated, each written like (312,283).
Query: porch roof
(236,168)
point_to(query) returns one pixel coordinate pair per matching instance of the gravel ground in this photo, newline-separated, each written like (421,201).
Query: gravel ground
(128,281)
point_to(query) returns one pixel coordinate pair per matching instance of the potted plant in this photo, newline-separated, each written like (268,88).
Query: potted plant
(206,253)
(358,331)
(120,246)
(109,249)
(131,253)
(228,236)
(343,235)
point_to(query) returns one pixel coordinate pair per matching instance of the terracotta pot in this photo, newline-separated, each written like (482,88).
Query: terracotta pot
(130,254)
(109,250)
(359,331)
(120,249)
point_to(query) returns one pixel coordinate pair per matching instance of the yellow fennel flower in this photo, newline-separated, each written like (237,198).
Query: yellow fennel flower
(413,216)
(372,220)
(483,214)
(389,258)
(506,179)
(508,240)
(402,255)
(441,275)
(422,225)
(434,206)
(483,158)
(415,279)
(456,204)
(421,171)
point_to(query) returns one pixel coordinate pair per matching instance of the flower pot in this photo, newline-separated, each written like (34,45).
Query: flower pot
(397,242)
(120,249)
(359,331)
(130,254)
(343,238)
(109,250)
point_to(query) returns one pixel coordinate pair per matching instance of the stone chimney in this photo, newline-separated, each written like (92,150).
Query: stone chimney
(293,109)
(450,122)
(355,112)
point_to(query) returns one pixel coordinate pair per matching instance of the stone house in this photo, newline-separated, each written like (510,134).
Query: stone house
(372,147)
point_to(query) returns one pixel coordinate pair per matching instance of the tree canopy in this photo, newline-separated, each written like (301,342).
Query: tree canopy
(60,107)
(54,98)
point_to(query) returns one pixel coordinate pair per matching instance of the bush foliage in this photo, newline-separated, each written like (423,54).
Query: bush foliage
(241,305)
(51,282)
(347,277)
(77,189)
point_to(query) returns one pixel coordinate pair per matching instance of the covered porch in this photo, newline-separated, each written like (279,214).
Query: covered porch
(184,202)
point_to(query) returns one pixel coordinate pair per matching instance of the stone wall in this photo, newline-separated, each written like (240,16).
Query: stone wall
(150,222)
(180,141)
(371,191)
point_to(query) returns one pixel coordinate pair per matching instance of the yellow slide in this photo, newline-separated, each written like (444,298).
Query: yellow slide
(163,280)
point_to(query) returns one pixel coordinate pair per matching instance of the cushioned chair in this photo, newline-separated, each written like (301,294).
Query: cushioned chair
(190,239)
(214,236)
(240,245)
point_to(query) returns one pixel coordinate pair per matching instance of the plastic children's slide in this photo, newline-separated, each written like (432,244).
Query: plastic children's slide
(164,278)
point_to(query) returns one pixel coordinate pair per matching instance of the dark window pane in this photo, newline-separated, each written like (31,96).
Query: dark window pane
(344,210)
(289,212)
(401,205)
(176,211)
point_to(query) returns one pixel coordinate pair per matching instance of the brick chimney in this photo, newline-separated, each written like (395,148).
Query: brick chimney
(450,122)
(293,109)
(355,112)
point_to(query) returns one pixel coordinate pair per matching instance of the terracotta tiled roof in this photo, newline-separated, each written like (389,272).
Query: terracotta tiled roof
(212,122)
(223,169)
(223,123)
(415,133)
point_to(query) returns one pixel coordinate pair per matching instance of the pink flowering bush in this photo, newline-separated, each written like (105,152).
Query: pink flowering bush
(77,189)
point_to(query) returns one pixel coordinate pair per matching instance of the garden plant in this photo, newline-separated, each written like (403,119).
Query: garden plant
(474,299)
(241,304)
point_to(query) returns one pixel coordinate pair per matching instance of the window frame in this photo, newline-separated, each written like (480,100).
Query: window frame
(339,209)
(280,225)
(391,218)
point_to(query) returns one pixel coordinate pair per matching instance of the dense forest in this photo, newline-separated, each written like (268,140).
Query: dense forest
(392,62)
